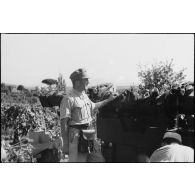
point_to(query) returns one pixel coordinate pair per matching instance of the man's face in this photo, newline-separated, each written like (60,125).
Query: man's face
(83,83)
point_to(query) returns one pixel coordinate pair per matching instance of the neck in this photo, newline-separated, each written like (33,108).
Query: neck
(79,90)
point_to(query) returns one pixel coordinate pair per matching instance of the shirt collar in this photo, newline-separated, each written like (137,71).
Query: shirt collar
(77,92)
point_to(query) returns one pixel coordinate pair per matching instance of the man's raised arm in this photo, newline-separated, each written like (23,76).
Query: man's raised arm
(104,102)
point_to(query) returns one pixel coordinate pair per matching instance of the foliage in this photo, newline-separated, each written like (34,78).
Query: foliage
(17,120)
(100,92)
(20,152)
(5,88)
(22,113)
(33,100)
(50,81)
(19,117)
(20,87)
(10,87)
(2,85)
(27,93)
(160,75)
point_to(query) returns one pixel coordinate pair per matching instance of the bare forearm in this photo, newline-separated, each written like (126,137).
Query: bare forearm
(101,104)
(65,135)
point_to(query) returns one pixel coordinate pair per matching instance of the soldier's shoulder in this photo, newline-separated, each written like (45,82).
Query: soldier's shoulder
(69,96)
(187,148)
(67,100)
(86,95)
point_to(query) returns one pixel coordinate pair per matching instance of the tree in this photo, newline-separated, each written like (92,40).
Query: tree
(27,93)
(3,86)
(10,87)
(37,89)
(20,87)
(160,75)
(50,82)
(5,89)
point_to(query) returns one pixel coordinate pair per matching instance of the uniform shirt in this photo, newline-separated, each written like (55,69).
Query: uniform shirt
(173,153)
(78,107)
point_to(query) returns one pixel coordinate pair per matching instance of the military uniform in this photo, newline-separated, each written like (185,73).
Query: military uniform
(174,152)
(79,109)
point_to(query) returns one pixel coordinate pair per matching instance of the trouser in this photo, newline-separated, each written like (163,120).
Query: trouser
(76,156)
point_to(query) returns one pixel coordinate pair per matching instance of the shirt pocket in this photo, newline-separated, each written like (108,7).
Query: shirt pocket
(79,111)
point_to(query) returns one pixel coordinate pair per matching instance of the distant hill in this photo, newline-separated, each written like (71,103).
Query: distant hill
(123,87)
(67,87)
(8,84)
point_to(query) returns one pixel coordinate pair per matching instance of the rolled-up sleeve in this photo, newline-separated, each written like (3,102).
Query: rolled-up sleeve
(65,108)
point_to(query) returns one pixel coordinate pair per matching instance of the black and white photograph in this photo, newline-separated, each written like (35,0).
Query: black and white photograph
(97,98)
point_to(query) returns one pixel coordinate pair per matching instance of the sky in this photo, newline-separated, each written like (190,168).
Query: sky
(27,59)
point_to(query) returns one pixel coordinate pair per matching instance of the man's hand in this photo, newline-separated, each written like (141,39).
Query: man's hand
(112,96)
(104,102)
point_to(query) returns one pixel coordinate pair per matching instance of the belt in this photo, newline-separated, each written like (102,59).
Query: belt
(82,126)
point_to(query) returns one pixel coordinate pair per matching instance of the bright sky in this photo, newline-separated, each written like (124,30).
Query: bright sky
(29,58)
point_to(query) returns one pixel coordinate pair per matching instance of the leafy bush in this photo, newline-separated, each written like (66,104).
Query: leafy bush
(17,120)
(161,76)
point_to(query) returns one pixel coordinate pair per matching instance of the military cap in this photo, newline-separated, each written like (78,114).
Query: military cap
(172,134)
(79,74)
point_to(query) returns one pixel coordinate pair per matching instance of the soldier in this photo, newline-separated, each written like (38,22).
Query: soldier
(76,118)
(172,150)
